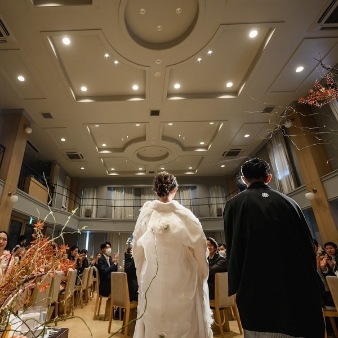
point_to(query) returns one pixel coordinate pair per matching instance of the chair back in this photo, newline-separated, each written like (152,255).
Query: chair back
(90,277)
(84,278)
(71,280)
(55,288)
(221,291)
(119,289)
(332,282)
(40,297)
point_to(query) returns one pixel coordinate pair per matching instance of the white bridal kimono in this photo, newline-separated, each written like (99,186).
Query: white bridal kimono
(170,257)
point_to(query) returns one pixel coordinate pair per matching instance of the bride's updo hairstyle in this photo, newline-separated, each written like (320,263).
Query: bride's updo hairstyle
(164,183)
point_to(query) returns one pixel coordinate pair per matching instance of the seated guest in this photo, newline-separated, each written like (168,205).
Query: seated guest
(332,253)
(84,260)
(222,249)
(106,266)
(217,263)
(5,255)
(130,270)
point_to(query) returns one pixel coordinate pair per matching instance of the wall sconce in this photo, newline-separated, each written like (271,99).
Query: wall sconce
(28,130)
(14,198)
(310,195)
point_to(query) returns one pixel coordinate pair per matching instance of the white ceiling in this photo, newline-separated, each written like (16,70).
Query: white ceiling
(157,44)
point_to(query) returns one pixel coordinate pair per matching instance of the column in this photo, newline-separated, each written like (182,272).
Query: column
(14,138)
(313,163)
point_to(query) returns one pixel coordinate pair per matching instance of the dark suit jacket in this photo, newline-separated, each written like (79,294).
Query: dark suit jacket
(105,270)
(216,264)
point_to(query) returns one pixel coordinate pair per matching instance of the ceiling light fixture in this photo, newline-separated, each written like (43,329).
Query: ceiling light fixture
(135,87)
(162,168)
(177,86)
(170,124)
(106,56)
(104,145)
(288,124)
(223,165)
(210,52)
(142,11)
(211,122)
(116,63)
(66,41)
(82,168)
(199,60)
(159,28)
(21,78)
(84,88)
(112,169)
(157,74)
(299,69)
(201,143)
(178,10)
(139,168)
(229,84)
(253,34)
(63,139)
(137,124)
(190,167)
(14,198)
(246,135)
(97,125)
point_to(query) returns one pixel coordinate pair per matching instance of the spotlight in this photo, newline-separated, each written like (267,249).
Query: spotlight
(28,130)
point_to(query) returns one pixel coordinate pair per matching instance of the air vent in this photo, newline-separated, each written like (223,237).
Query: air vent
(47,115)
(74,156)
(329,18)
(4,34)
(268,110)
(152,172)
(231,153)
(154,113)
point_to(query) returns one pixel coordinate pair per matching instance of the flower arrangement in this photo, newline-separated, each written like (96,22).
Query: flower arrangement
(43,258)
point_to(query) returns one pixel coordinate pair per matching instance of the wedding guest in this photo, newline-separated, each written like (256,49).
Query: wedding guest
(222,249)
(217,263)
(169,249)
(263,229)
(5,255)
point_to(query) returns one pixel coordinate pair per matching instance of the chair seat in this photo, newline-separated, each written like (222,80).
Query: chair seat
(329,308)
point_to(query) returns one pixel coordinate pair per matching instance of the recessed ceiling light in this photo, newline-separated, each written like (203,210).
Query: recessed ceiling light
(157,74)
(97,125)
(246,135)
(82,168)
(229,84)
(299,69)
(162,168)
(84,88)
(137,124)
(104,145)
(127,136)
(159,28)
(178,10)
(63,139)
(201,143)
(158,61)
(210,52)
(199,60)
(211,122)
(135,87)
(223,165)
(112,169)
(21,78)
(66,41)
(106,56)
(177,86)
(139,168)
(170,124)
(253,34)
(142,11)
(190,167)
(116,63)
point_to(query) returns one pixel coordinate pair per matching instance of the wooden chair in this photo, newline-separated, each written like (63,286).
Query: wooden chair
(41,297)
(82,289)
(120,297)
(98,297)
(89,290)
(95,279)
(328,311)
(223,301)
(68,294)
(53,297)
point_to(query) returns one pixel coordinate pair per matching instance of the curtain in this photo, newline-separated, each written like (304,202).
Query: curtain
(82,241)
(123,203)
(88,202)
(147,194)
(217,235)
(184,197)
(216,200)
(280,162)
(110,202)
(65,195)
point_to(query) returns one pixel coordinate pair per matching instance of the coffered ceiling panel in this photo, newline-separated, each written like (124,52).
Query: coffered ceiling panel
(63,138)
(182,165)
(19,74)
(247,134)
(91,67)
(222,67)
(122,166)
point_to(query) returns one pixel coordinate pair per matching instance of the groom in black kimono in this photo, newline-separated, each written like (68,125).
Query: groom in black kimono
(271,260)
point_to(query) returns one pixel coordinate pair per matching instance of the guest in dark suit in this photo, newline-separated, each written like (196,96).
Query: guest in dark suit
(217,263)
(105,266)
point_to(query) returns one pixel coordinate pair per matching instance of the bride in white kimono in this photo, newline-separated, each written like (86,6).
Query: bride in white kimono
(169,249)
